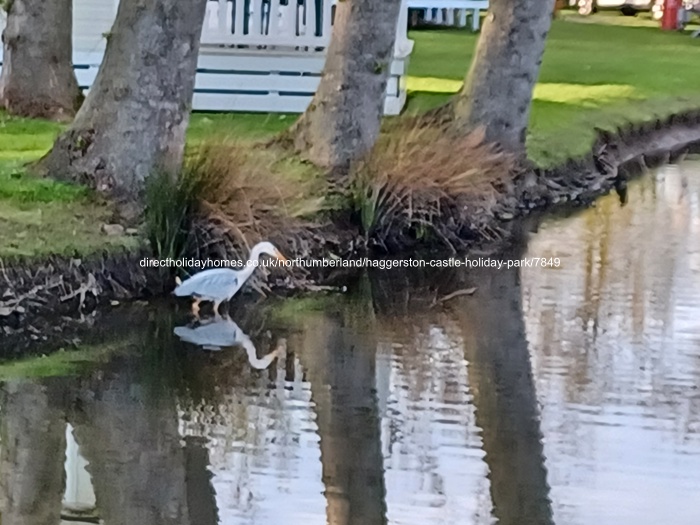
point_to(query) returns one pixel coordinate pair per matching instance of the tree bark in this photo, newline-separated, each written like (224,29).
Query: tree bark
(134,118)
(32,474)
(37,77)
(499,86)
(342,122)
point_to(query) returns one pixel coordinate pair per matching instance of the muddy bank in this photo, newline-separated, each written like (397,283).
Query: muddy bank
(41,298)
(65,283)
(31,291)
(42,332)
(614,159)
(52,301)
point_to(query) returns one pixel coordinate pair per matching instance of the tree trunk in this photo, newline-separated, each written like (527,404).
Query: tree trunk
(37,77)
(342,122)
(134,119)
(498,90)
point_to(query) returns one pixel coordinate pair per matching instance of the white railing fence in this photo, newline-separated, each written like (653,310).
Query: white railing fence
(280,23)
(450,12)
(256,55)
(268,22)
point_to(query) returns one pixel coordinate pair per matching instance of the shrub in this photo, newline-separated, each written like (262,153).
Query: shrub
(170,204)
(422,181)
(253,192)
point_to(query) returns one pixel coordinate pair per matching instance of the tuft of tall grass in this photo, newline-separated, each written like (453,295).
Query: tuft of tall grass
(171,202)
(251,191)
(418,178)
(225,198)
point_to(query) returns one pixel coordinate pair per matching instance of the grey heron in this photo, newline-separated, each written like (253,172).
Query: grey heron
(222,332)
(220,284)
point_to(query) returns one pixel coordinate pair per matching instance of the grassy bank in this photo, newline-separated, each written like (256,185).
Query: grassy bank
(598,72)
(41,217)
(593,75)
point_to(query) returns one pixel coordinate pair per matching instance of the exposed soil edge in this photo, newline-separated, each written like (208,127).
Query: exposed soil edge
(36,296)
(614,159)
(51,287)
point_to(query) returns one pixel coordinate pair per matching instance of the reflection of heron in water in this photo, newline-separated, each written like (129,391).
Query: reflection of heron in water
(221,332)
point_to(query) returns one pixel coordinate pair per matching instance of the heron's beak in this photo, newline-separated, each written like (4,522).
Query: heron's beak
(281,257)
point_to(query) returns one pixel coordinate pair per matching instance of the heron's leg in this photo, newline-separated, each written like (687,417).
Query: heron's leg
(216,309)
(195,307)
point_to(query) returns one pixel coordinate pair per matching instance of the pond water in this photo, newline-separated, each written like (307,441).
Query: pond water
(565,395)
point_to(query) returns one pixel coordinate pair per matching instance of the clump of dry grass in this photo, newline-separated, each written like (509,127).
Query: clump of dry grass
(421,182)
(245,194)
(252,191)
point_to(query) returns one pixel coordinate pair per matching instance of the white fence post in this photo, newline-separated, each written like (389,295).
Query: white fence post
(402,29)
(222,17)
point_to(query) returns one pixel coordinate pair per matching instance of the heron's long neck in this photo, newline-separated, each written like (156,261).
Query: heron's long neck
(253,359)
(249,268)
(246,272)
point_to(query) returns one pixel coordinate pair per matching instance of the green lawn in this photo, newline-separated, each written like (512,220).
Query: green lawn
(598,71)
(601,72)
(593,75)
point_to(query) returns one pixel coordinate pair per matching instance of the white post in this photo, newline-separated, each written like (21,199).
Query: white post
(327,21)
(239,18)
(256,17)
(439,19)
(462,18)
(221,30)
(302,18)
(273,26)
(475,20)
(288,19)
(402,28)
(310,19)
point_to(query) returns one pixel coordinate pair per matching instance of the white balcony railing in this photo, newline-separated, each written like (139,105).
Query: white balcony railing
(279,23)
(268,22)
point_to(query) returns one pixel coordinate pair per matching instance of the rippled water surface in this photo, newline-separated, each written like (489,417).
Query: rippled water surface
(565,396)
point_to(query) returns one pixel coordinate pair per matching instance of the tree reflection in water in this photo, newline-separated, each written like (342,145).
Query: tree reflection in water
(33,445)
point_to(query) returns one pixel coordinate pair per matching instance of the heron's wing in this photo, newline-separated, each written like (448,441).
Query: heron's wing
(210,283)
